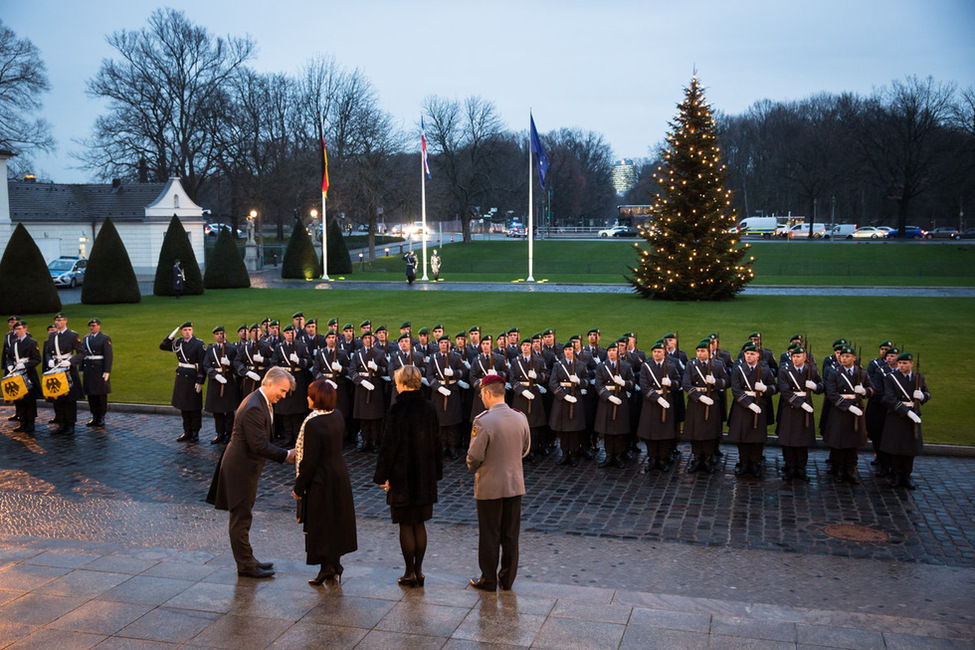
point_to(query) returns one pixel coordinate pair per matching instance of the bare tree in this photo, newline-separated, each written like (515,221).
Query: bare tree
(23,79)
(167,95)
(579,178)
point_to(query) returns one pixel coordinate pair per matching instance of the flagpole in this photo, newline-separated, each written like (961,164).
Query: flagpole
(324,240)
(531,214)
(423,211)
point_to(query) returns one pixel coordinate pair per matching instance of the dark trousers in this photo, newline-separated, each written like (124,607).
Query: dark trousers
(703,449)
(901,466)
(499,523)
(192,422)
(795,458)
(750,453)
(451,437)
(66,411)
(615,445)
(573,442)
(659,449)
(98,405)
(240,528)
(290,425)
(371,431)
(845,461)
(26,409)
(223,423)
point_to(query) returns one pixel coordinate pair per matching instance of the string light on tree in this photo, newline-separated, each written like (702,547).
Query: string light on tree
(690,220)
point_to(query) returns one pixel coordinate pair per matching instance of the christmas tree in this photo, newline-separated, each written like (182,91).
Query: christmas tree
(691,254)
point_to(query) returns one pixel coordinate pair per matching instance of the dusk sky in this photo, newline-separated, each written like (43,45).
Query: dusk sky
(614,67)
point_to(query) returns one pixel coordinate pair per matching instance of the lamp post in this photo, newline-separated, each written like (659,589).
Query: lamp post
(251,249)
(362,263)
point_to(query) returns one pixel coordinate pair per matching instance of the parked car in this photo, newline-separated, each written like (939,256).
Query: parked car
(910,232)
(967,234)
(869,232)
(841,231)
(516,230)
(942,233)
(213,229)
(611,231)
(68,271)
(801,231)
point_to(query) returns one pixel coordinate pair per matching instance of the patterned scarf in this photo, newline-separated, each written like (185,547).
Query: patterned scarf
(300,443)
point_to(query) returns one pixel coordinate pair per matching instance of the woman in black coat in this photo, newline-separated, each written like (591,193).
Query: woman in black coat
(410,464)
(323,482)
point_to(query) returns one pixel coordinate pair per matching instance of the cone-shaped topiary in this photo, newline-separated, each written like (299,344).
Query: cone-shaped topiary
(109,278)
(26,286)
(226,269)
(300,260)
(338,252)
(176,246)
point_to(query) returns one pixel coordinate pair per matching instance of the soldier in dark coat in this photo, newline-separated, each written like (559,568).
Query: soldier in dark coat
(679,358)
(23,355)
(527,376)
(96,369)
(846,431)
(347,341)
(798,381)
(748,422)
(614,380)
(904,393)
(179,279)
(659,380)
(568,384)
(487,362)
(367,367)
(331,363)
(724,357)
(404,355)
(188,386)
(310,336)
(251,361)
(65,353)
(703,379)
(292,355)
(223,397)
(447,376)
(876,413)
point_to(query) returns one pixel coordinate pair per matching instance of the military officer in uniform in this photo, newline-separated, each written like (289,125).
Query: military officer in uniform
(292,355)
(223,397)
(659,379)
(751,380)
(905,392)
(487,362)
(527,374)
(423,345)
(311,338)
(251,361)
(96,369)
(703,378)
(846,431)
(798,381)
(367,367)
(331,363)
(568,384)
(876,413)
(447,374)
(404,355)
(347,341)
(614,379)
(65,353)
(23,355)
(188,387)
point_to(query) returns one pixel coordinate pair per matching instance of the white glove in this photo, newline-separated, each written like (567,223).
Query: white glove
(574,379)
(467,364)
(198,387)
(855,411)
(293,357)
(463,384)
(448,372)
(220,378)
(332,383)
(706,400)
(443,390)
(50,363)
(336,366)
(367,384)
(666,381)
(104,376)
(372,365)
(258,358)
(709,379)
(755,408)
(760,387)
(918,394)
(636,387)
(542,390)
(173,334)
(19,366)
(507,385)
(663,402)
(224,361)
(527,394)
(618,380)
(615,400)
(64,364)
(859,390)
(810,384)
(10,367)
(253,375)
(914,416)
(425,381)
(570,399)
(532,374)
(807,407)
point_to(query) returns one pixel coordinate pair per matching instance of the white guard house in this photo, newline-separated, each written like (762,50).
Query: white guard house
(65,219)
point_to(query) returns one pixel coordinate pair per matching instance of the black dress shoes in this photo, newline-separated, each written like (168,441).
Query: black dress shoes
(620,462)
(483,585)
(256,572)
(606,462)
(266,566)
(186,437)
(25,427)
(565,460)
(12,418)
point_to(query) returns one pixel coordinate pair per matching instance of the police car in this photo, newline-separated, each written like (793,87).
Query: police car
(68,271)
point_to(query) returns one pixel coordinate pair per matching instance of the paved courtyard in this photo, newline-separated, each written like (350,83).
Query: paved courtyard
(104,539)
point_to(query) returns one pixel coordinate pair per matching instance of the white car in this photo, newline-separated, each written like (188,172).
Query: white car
(213,229)
(869,232)
(68,271)
(612,232)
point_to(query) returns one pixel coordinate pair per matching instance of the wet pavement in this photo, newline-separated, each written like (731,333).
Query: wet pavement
(104,538)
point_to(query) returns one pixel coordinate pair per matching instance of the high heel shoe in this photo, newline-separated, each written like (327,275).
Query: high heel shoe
(419,579)
(409,580)
(323,575)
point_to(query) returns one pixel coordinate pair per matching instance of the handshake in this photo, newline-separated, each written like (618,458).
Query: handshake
(292,457)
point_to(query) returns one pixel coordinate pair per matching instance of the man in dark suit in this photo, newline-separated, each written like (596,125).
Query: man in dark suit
(235,487)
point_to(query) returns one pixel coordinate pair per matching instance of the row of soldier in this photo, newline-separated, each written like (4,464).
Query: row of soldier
(577,394)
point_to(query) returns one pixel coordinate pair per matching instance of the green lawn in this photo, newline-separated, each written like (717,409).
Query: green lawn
(937,328)
(788,263)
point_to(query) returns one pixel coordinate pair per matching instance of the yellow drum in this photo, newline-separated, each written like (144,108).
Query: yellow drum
(55,383)
(14,386)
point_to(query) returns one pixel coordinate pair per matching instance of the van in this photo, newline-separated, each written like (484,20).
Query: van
(801,231)
(842,231)
(764,226)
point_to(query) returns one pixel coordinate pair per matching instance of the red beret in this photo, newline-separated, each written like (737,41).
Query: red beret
(491,379)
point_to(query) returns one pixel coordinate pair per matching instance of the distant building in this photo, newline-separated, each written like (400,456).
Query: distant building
(64,219)
(624,176)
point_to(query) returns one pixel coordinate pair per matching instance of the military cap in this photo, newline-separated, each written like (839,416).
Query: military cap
(20,323)
(298,314)
(311,321)
(186,324)
(366,323)
(51,326)
(476,328)
(794,345)
(626,335)
(846,349)
(536,336)
(404,335)
(275,323)
(405,324)
(242,327)
(513,330)
(795,337)
(797,350)
(176,261)
(348,326)
(525,340)
(905,356)
(658,345)
(13,318)
(218,328)
(438,326)
(705,343)
(334,321)
(568,344)
(424,331)
(381,328)
(670,335)
(594,330)
(460,335)
(886,344)
(94,321)
(548,331)
(444,337)
(713,336)
(289,328)
(491,379)
(331,332)
(755,335)
(839,342)
(893,351)
(749,347)
(255,326)
(266,320)
(365,334)
(575,337)
(58,315)
(486,337)
(623,340)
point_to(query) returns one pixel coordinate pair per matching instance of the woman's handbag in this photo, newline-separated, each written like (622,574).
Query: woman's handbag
(302,504)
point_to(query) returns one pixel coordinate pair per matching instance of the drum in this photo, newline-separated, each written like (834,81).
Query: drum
(55,383)
(14,386)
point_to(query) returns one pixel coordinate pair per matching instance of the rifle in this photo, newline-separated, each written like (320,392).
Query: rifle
(707,407)
(917,386)
(858,422)
(663,389)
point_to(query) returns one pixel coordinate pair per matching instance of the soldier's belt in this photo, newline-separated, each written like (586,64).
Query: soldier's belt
(566,384)
(849,396)
(751,393)
(909,405)
(62,357)
(191,366)
(94,357)
(524,383)
(800,393)
(448,382)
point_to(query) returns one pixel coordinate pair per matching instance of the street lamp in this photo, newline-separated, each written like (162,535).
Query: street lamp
(362,263)
(386,251)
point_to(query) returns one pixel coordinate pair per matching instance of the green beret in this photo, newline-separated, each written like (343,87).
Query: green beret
(348,326)
(623,340)
(658,345)
(381,328)
(594,330)
(536,336)
(274,323)
(334,321)
(311,321)
(846,349)
(266,320)
(460,335)
(404,335)
(670,335)
(892,351)
(60,314)
(704,343)
(289,328)
(331,332)
(526,340)
(255,326)
(513,330)
(94,321)
(798,350)
(218,328)
(486,337)
(405,324)
(365,334)
(242,327)
(444,337)
(298,314)
(838,342)
(626,335)
(548,331)
(366,323)
(749,347)
(886,344)
(13,318)
(795,337)
(476,328)
(794,344)
(438,326)
(755,335)
(186,324)
(905,356)
(713,336)
(575,337)
(20,323)
(424,332)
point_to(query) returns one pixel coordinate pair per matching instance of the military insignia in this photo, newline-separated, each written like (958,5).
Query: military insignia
(474,429)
